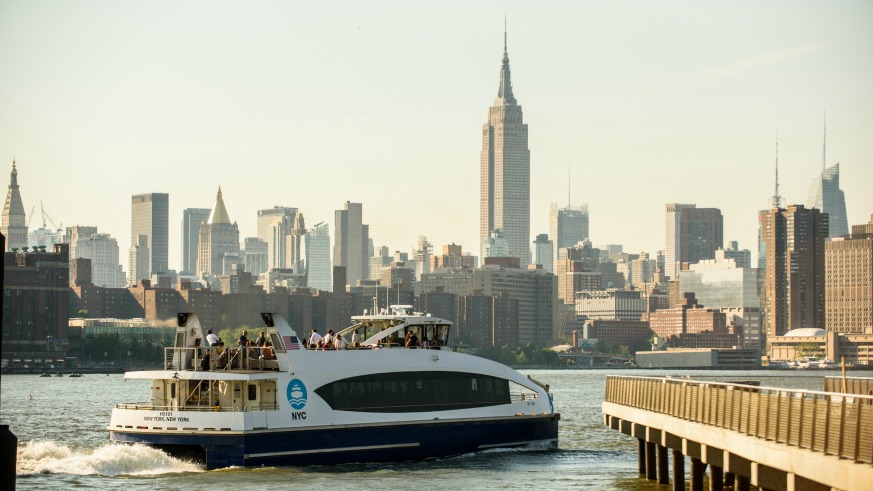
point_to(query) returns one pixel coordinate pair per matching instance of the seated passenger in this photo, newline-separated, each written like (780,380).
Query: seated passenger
(434,342)
(412,341)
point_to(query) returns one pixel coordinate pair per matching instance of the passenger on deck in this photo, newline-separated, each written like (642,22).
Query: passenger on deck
(223,353)
(314,339)
(327,341)
(434,342)
(407,338)
(356,339)
(260,343)
(201,353)
(212,339)
(268,353)
(411,340)
(424,343)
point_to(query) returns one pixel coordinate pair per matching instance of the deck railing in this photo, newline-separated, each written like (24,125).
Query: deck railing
(831,423)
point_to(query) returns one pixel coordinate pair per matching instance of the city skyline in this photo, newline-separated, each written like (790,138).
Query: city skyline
(651,119)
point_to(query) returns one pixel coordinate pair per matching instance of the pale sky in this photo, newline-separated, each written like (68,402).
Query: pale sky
(311,104)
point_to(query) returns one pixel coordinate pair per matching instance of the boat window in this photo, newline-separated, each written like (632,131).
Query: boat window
(253,392)
(278,346)
(415,392)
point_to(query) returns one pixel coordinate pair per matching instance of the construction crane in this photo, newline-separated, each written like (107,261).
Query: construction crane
(30,216)
(45,216)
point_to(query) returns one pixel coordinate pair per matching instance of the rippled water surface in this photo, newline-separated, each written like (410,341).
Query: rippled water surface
(63,443)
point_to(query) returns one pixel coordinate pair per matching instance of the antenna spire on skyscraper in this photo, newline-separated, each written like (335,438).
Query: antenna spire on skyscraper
(504,34)
(776,198)
(824,144)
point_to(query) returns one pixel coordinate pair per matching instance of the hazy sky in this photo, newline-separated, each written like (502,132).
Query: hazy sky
(312,104)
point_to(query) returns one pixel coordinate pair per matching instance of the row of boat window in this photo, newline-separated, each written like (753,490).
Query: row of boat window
(415,392)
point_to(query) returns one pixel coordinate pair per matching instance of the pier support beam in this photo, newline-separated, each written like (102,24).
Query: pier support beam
(678,471)
(697,470)
(663,466)
(716,478)
(743,483)
(641,460)
(651,471)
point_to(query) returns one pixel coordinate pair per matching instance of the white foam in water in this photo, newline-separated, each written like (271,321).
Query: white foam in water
(46,457)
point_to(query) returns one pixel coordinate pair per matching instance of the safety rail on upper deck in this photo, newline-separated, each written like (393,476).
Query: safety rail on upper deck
(197,358)
(832,423)
(144,406)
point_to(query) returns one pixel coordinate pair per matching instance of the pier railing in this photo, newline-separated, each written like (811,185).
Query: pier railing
(831,423)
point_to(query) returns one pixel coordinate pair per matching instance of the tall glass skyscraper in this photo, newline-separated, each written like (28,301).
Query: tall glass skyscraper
(826,195)
(316,253)
(505,171)
(150,216)
(191,220)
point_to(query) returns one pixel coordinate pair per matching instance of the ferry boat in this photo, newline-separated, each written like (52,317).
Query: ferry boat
(374,399)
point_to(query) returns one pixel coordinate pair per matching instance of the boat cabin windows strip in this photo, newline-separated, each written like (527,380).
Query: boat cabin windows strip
(415,392)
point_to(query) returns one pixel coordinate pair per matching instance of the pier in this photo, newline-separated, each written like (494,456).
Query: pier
(772,438)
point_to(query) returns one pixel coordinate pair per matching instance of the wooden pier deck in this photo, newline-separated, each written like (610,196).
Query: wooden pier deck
(772,438)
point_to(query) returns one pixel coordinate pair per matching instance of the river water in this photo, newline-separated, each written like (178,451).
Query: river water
(63,443)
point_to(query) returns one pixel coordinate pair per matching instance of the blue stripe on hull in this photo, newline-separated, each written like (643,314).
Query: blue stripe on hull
(368,444)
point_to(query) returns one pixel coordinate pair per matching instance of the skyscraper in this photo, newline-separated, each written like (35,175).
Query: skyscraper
(351,247)
(274,224)
(316,252)
(505,171)
(567,226)
(826,195)
(544,252)
(849,281)
(692,234)
(218,238)
(294,245)
(795,275)
(14,225)
(149,216)
(192,218)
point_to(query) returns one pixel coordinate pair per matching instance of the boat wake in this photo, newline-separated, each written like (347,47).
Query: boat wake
(47,457)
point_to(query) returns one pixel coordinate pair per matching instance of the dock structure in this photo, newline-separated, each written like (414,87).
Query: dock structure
(772,438)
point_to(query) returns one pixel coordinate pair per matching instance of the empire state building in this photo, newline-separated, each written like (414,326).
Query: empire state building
(505,172)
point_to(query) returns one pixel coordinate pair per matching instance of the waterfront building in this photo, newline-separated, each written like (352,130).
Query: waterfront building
(254,255)
(14,222)
(567,226)
(544,252)
(274,224)
(849,281)
(794,278)
(617,332)
(149,216)
(692,234)
(192,218)
(138,260)
(218,238)
(725,286)
(610,304)
(826,195)
(351,247)
(36,306)
(316,254)
(689,318)
(505,171)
